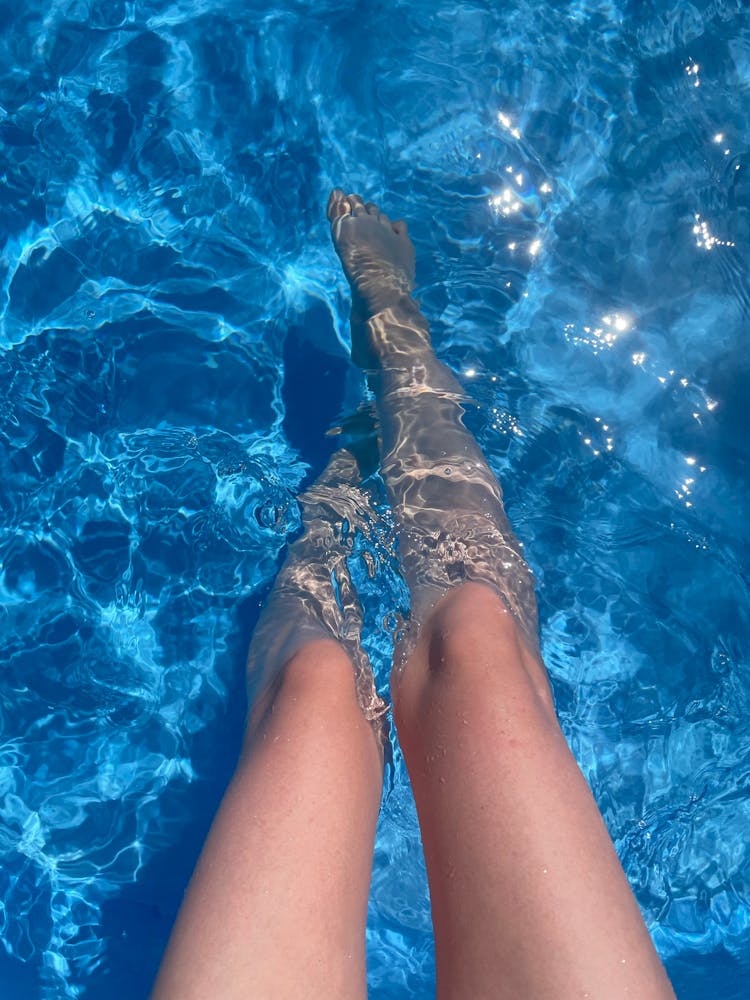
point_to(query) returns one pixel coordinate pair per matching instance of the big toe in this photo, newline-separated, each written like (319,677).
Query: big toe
(338,205)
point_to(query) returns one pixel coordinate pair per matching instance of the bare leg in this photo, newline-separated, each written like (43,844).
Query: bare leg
(278,902)
(529,899)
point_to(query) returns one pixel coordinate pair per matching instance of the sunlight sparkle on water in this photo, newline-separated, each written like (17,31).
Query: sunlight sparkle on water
(606,335)
(507,123)
(704,237)
(505,203)
(618,321)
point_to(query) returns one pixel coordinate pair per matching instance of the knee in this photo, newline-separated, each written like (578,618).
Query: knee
(320,668)
(472,630)
(319,674)
(471,647)
(466,615)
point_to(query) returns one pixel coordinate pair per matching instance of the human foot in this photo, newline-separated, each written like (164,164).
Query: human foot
(378,260)
(313,596)
(377,254)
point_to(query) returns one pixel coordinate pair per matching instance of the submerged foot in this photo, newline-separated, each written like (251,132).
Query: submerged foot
(377,254)
(378,260)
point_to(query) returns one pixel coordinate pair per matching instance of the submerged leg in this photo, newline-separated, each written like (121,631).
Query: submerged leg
(278,902)
(529,899)
(447,502)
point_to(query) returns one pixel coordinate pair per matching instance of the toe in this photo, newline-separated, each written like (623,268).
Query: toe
(338,205)
(400,228)
(358,206)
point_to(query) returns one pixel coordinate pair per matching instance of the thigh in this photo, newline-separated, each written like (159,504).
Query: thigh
(278,902)
(529,899)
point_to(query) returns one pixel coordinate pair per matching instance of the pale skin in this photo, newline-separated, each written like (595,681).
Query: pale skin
(529,900)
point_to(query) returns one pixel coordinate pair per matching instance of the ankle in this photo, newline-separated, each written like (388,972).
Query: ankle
(398,333)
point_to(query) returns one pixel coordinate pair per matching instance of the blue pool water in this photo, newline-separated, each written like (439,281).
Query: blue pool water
(173,349)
